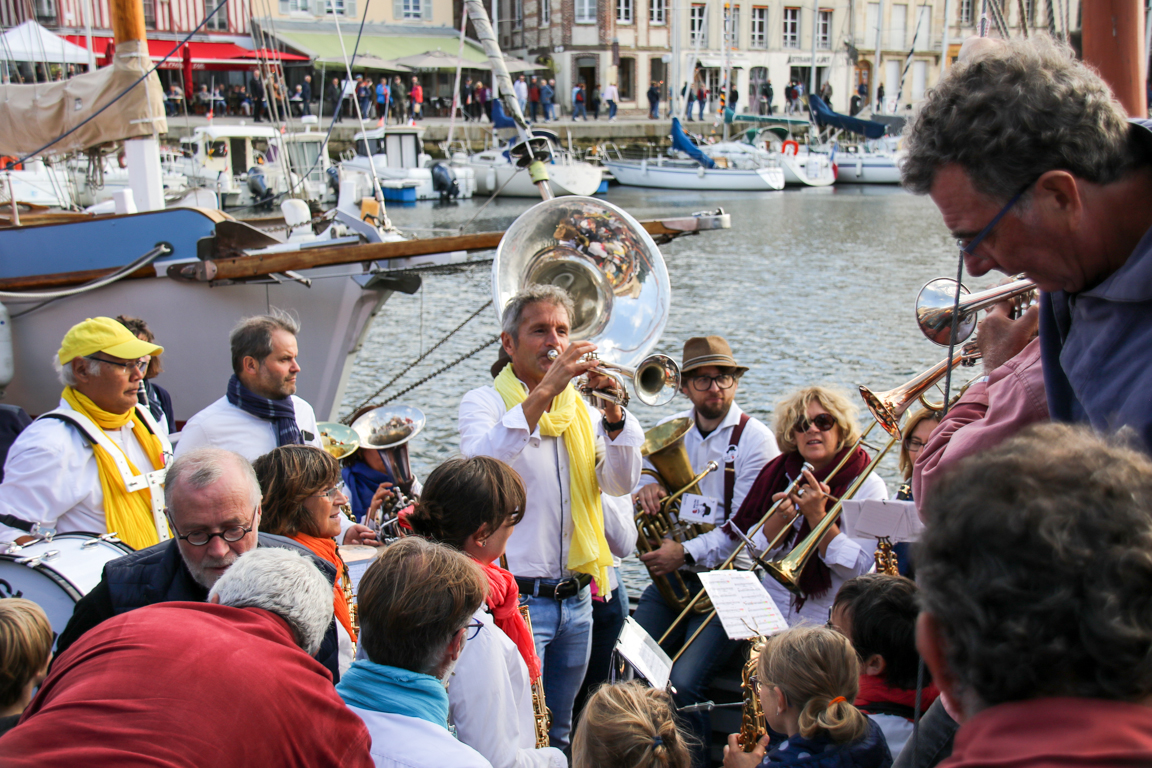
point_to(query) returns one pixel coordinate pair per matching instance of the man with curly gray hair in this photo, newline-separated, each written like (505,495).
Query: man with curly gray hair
(1037,170)
(1036,601)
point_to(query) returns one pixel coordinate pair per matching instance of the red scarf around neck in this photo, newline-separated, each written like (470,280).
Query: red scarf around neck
(504,602)
(874,690)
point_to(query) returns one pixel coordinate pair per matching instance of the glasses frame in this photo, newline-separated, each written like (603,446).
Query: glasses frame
(713,380)
(908,446)
(340,488)
(139,365)
(472,628)
(186,537)
(971,246)
(801,426)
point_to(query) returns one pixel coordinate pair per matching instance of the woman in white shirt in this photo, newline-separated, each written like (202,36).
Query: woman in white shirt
(473,504)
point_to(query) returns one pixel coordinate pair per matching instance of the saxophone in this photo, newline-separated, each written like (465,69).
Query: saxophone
(350,598)
(752,725)
(541,714)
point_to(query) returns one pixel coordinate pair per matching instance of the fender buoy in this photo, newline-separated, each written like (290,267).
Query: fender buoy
(795,147)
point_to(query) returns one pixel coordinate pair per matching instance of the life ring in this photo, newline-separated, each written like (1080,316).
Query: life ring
(6,159)
(795,147)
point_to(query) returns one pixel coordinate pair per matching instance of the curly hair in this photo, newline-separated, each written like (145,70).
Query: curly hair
(1014,111)
(289,475)
(1037,568)
(794,408)
(629,725)
(814,666)
(463,495)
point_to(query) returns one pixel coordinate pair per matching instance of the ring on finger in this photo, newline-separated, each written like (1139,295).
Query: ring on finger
(800,492)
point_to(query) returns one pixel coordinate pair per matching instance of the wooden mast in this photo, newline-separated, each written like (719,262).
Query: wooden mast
(142,155)
(1114,44)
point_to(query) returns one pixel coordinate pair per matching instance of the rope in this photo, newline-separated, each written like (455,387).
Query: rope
(417,361)
(475,351)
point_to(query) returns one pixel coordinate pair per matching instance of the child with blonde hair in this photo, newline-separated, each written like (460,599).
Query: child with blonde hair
(629,725)
(25,650)
(807,679)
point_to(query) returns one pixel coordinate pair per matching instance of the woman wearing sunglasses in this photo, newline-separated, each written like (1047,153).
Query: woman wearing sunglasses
(816,425)
(303,494)
(472,504)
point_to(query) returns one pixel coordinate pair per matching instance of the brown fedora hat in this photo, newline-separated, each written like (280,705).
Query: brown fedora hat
(700,351)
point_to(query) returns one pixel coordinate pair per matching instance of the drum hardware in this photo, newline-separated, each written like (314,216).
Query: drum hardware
(36,560)
(112,537)
(937,301)
(656,380)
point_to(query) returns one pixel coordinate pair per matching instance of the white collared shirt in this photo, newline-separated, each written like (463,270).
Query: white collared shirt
(400,741)
(757,447)
(539,545)
(223,425)
(51,477)
(490,702)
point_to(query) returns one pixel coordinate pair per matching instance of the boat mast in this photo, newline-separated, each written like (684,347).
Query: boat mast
(1112,42)
(143,154)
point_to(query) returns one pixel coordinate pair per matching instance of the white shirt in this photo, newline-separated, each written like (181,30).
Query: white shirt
(51,477)
(520,88)
(399,741)
(619,531)
(490,702)
(610,93)
(538,547)
(844,557)
(223,425)
(897,731)
(757,447)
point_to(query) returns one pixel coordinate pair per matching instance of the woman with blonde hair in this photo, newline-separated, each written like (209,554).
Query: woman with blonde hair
(807,679)
(25,651)
(919,427)
(629,725)
(815,425)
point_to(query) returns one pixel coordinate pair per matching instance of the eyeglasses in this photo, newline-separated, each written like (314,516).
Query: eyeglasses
(968,247)
(823,422)
(231,534)
(339,488)
(139,365)
(473,628)
(704,383)
(914,444)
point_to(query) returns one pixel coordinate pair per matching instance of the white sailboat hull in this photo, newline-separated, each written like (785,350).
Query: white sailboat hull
(670,175)
(807,170)
(867,168)
(574,178)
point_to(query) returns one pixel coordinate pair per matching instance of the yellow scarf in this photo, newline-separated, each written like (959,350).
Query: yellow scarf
(588,553)
(128,514)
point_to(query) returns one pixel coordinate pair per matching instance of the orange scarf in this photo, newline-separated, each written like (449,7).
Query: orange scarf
(326,550)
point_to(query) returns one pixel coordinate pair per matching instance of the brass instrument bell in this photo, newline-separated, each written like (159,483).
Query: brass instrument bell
(337,439)
(937,300)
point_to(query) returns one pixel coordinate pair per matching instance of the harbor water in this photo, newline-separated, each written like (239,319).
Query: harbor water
(809,286)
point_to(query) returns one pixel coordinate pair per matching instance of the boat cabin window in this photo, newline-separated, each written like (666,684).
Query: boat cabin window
(216,148)
(367,147)
(304,156)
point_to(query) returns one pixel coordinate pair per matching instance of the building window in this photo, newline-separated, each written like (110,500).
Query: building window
(219,22)
(623,11)
(791,27)
(150,14)
(296,6)
(923,32)
(699,36)
(411,8)
(517,14)
(1030,12)
(657,11)
(824,31)
(46,11)
(732,24)
(334,7)
(898,26)
(626,73)
(585,11)
(546,12)
(759,27)
(871,22)
(966,12)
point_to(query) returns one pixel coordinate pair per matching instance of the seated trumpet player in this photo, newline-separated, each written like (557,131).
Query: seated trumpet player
(472,505)
(740,445)
(816,425)
(532,418)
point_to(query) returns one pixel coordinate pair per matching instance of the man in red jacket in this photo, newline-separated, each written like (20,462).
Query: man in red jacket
(228,683)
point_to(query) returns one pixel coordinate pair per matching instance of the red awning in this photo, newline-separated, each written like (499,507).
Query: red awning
(211,56)
(265,53)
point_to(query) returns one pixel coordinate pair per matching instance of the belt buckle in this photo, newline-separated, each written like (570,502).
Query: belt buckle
(570,587)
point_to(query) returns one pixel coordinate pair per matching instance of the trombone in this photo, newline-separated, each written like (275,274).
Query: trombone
(937,301)
(888,407)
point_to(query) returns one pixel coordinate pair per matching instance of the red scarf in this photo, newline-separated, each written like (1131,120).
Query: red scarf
(815,579)
(326,550)
(874,690)
(504,601)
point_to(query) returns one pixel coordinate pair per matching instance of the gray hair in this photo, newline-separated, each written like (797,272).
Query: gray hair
(65,373)
(252,336)
(534,294)
(201,467)
(283,582)
(1013,111)
(1037,566)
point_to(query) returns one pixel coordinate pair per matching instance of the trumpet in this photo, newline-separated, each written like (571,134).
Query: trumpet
(937,301)
(656,379)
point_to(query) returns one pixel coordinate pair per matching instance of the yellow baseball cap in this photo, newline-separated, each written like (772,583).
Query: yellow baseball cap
(103,334)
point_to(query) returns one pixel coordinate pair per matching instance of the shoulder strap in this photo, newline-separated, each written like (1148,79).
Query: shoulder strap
(730,463)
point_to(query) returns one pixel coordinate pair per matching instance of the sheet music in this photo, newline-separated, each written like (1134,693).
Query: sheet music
(357,557)
(874,518)
(744,607)
(643,652)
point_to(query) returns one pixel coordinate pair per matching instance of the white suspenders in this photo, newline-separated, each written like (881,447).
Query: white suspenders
(153,481)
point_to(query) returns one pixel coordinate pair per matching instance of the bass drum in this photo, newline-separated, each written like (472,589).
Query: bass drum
(56,574)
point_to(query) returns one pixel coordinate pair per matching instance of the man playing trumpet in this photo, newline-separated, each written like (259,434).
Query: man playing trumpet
(741,446)
(532,418)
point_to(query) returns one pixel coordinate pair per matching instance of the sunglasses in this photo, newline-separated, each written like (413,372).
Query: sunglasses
(823,422)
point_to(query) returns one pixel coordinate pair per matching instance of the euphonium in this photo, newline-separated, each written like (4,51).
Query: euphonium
(540,712)
(340,441)
(664,447)
(752,724)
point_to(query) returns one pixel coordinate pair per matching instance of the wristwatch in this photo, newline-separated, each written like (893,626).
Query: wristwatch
(612,426)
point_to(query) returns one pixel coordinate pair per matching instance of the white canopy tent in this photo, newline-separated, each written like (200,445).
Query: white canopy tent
(31,42)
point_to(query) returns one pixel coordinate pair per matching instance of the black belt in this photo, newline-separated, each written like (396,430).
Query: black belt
(562,591)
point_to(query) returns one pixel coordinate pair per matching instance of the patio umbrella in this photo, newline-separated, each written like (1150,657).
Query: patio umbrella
(186,66)
(367,61)
(440,61)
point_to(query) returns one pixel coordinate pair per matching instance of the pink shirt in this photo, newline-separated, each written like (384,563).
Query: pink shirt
(988,413)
